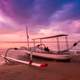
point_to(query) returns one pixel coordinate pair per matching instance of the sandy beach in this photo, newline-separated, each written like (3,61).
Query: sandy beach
(54,71)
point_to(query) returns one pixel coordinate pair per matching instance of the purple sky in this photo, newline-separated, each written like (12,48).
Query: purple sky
(43,17)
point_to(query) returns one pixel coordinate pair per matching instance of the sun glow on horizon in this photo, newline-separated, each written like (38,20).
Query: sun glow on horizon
(45,18)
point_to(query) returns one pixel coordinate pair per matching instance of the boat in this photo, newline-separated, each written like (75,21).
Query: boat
(42,51)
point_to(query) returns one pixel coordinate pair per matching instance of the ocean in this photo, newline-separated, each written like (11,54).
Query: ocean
(50,45)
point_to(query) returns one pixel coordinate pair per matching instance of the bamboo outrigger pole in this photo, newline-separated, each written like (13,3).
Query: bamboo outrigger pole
(7,59)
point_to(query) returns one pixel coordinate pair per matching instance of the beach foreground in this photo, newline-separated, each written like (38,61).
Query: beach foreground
(54,71)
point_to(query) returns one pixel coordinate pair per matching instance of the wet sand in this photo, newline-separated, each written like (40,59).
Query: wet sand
(54,71)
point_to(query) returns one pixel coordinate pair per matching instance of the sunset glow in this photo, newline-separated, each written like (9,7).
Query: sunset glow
(42,17)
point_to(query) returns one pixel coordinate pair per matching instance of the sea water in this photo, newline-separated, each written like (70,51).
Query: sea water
(50,45)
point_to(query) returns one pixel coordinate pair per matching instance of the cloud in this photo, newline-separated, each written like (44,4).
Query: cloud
(49,32)
(13,37)
(44,16)
(31,11)
(7,25)
(63,13)
(68,26)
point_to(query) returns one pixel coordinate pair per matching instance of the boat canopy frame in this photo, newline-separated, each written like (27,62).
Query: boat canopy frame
(57,38)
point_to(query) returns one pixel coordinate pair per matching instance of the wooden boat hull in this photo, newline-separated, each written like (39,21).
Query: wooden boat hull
(51,56)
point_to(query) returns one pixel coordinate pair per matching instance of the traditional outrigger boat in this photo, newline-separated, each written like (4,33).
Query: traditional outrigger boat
(41,50)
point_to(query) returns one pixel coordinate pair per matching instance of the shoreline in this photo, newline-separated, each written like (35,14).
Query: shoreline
(54,71)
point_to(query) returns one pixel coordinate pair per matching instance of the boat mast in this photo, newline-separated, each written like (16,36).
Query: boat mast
(27,37)
(28,44)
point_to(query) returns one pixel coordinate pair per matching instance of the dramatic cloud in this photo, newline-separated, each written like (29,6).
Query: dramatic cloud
(39,11)
(64,13)
(43,16)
